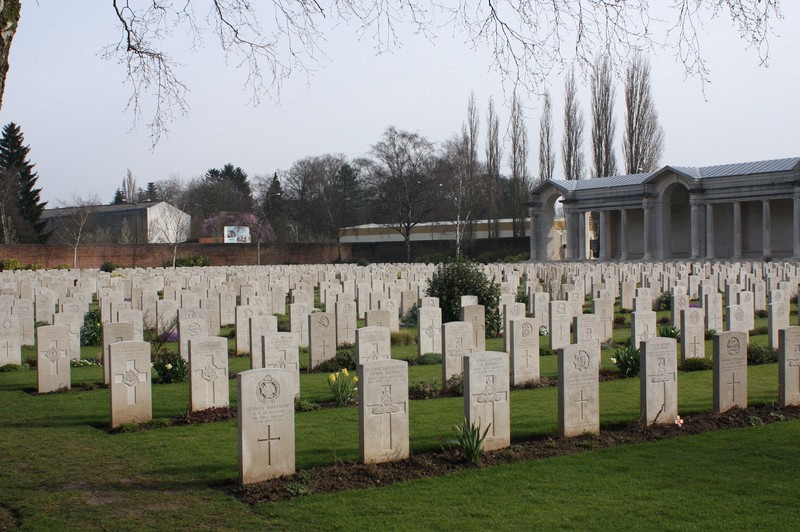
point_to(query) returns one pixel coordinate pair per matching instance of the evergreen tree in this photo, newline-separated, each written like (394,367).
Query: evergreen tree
(119,197)
(151,193)
(351,195)
(14,159)
(275,209)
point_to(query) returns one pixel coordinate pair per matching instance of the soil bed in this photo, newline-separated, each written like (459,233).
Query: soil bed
(350,475)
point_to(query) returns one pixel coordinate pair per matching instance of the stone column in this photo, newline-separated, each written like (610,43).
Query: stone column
(623,235)
(534,234)
(569,218)
(695,232)
(796,223)
(581,235)
(648,230)
(709,231)
(766,231)
(737,230)
(605,233)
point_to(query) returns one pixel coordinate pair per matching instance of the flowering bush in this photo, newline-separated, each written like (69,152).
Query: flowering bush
(169,367)
(543,330)
(627,360)
(343,386)
(92,330)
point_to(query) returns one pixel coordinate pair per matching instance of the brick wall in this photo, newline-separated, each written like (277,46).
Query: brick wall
(152,255)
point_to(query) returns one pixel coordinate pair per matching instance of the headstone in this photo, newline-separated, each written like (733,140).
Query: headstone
(377,318)
(486,396)
(456,344)
(736,319)
(643,326)
(136,318)
(659,381)
(73,322)
(189,329)
(130,387)
(53,369)
(579,389)
(476,315)
(23,309)
(10,340)
(730,370)
(524,350)
(789,367)
(383,411)
(587,328)
(393,308)
(346,322)
(298,319)
(321,338)
(266,424)
(604,310)
(680,301)
(777,319)
(469,300)
(511,311)
(373,343)
(429,320)
(281,351)
(259,326)
(713,310)
(541,307)
(693,334)
(559,326)
(242,315)
(208,373)
(113,333)
(166,316)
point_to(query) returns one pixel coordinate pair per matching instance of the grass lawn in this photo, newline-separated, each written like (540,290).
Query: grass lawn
(60,468)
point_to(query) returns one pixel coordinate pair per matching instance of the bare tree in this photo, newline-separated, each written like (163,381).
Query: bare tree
(547,156)
(129,189)
(169,225)
(457,186)
(493,155)
(470,131)
(572,145)
(528,40)
(644,138)
(603,123)
(518,160)
(75,222)
(402,182)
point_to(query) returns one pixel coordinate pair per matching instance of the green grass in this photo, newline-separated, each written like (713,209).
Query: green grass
(60,468)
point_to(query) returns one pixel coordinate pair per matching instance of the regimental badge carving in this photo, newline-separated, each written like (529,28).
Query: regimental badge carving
(733,346)
(694,317)
(739,314)
(527,330)
(194,329)
(209,373)
(324,321)
(130,377)
(581,360)
(268,390)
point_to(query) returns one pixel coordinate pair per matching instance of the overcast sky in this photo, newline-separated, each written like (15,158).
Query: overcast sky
(70,102)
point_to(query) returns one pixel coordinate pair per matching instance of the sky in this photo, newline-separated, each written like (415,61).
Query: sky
(70,102)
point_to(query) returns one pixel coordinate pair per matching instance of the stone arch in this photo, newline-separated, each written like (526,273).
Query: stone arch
(676,226)
(552,229)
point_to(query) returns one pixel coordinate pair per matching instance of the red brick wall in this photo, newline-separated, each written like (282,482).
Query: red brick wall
(92,256)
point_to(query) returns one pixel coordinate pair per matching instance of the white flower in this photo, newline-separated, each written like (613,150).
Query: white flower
(168,366)
(613,360)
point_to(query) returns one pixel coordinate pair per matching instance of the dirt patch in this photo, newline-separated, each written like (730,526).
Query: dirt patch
(9,519)
(351,475)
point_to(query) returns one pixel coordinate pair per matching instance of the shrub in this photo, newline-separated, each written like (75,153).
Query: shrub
(697,364)
(403,338)
(761,313)
(64,266)
(11,265)
(304,405)
(107,266)
(410,319)
(759,354)
(545,352)
(345,358)
(92,330)
(759,330)
(169,367)
(362,262)
(459,278)
(619,322)
(188,261)
(469,440)
(284,323)
(710,334)
(627,361)
(664,320)
(429,359)
(35,266)
(12,368)
(343,386)
(423,390)
(664,301)
(669,331)
(454,387)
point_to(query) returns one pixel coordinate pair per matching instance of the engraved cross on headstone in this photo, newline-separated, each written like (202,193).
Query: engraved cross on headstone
(490,397)
(663,376)
(733,384)
(458,353)
(583,402)
(386,408)
(694,345)
(528,356)
(53,354)
(269,439)
(130,378)
(7,348)
(210,373)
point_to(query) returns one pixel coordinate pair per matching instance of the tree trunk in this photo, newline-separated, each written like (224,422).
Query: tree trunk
(9,19)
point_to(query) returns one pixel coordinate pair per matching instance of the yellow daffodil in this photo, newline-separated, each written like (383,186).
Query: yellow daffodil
(355,379)
(346,373)
(331,378)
